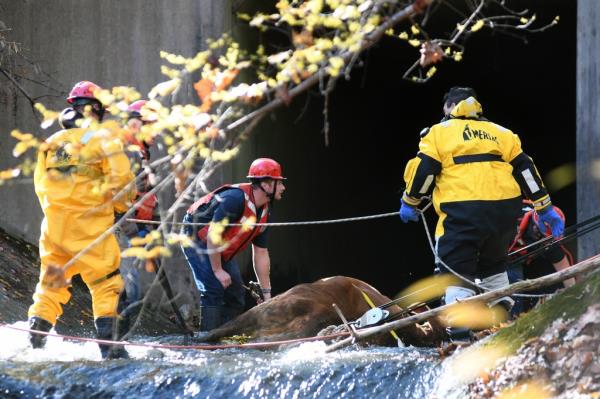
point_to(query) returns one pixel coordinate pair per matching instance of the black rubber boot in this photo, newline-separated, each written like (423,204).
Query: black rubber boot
(210,317)
(105,328)
(38,324)
(459,334)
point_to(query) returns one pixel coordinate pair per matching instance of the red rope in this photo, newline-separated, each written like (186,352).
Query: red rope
(256,345)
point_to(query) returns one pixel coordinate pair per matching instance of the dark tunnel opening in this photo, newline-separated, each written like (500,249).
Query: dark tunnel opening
(375,119)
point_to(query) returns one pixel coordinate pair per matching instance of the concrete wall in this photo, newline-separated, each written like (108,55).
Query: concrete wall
(588,121)
(108,42)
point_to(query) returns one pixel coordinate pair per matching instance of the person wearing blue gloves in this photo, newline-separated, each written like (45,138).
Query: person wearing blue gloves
(476,173)
(553,259)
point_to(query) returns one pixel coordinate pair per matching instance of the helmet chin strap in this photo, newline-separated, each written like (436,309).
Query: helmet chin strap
(270,195)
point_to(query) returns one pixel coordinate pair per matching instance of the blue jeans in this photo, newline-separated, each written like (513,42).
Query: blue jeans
(212,292)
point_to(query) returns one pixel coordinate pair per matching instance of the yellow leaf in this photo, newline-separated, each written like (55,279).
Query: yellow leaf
(458,56)
(164,88)
(139,241)
(181,239)
(431,71)
(9,174)
(134,252)
(336,62)
(414,42)
(158,251)
(527,389)
(20,148)
(279,57)
(475,315)
(21,136)
(415,29)
(403,36)
(562,176)
(314,56)
(332,22)
(477,25)
(258,20)
(468,365)
(426,289)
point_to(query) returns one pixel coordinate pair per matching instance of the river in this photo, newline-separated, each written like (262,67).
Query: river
(70,369)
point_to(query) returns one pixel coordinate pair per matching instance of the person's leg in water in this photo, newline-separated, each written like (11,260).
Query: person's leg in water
(212,294)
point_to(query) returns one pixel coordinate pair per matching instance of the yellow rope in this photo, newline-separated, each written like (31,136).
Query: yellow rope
(372,305)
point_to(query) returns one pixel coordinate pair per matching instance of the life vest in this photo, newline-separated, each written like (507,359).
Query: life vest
(528,216)
(235,237)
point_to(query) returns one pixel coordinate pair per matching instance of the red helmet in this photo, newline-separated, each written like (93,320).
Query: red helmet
(135,108)
(83,89)
(263,168)
(548,231)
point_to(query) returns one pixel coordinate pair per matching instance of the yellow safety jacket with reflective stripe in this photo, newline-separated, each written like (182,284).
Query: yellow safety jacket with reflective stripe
(468,158)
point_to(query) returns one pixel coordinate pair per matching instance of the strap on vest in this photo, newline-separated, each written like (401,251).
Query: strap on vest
(461,159)
(108,276)
(82,170)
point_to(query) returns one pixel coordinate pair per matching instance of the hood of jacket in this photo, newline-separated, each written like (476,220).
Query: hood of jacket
(468,108)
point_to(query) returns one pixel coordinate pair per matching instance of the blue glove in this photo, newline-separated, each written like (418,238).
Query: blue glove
(408,212)
(549,217)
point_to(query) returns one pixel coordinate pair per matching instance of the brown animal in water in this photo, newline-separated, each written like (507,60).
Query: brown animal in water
(306,309)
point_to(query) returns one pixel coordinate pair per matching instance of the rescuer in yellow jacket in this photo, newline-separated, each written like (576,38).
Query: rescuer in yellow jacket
(77,175)
(476,172)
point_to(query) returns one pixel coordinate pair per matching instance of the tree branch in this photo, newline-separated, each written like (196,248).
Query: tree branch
(526,285)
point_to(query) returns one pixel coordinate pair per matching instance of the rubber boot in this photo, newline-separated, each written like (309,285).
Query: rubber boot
(459,334)
(454,294)
(128,313)
(230,313)
(105,328)
(39,324)
(210,317)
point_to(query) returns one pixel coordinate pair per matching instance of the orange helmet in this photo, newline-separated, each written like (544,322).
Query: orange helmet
(263,168)
(83,89)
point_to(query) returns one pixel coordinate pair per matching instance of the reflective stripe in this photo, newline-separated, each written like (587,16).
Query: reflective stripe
(542,203)
(426,184)
(530,180)
(250,205)
(461,159)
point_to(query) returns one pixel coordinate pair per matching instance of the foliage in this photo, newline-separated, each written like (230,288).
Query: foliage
(323,41)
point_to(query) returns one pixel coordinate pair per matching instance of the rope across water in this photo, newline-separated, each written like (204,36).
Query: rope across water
(280,224)
(255,345)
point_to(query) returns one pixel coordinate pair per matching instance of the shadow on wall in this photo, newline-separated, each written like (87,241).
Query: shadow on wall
(375,120)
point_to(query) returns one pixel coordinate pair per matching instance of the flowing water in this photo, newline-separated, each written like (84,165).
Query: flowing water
(69,369)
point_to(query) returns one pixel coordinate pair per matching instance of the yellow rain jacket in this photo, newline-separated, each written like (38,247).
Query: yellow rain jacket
(468,158)
(77,174)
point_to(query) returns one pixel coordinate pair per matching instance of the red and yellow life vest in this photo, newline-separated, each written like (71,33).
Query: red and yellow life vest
(529,216)
(236,237)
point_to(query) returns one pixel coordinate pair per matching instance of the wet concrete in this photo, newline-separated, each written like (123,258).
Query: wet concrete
(19,272)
